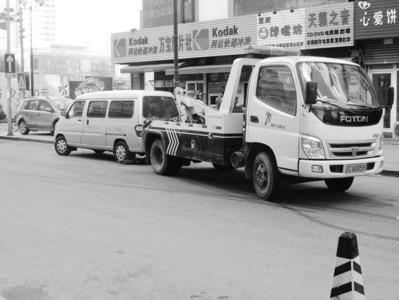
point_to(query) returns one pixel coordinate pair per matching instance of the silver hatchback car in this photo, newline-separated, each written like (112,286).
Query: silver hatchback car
(40,113)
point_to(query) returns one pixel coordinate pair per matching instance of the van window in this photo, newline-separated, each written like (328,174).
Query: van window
(76,109)
(97,109)
(159,107)
(121,109)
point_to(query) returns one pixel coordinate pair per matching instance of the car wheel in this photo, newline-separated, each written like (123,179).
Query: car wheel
(23,128)
(265,177)
(339,184)
(162,163)
(61,146)
(121,152)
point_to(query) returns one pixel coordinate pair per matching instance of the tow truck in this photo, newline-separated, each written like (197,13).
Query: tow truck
(298,118)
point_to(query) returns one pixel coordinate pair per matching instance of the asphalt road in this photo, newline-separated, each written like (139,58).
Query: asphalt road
(85,227)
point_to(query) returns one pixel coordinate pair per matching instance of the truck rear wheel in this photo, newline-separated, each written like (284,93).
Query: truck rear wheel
(339,184)
(265,178)
(162,163)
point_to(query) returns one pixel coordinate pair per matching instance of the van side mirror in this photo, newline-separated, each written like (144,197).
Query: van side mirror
(391,94)
(311,93)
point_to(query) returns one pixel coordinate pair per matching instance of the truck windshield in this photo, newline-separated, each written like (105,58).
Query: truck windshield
(341,85)
(159,107)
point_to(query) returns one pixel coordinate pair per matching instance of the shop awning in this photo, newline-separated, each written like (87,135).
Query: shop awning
(201,69)
(148,68)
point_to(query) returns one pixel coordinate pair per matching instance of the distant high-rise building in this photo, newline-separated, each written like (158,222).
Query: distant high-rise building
(43,23)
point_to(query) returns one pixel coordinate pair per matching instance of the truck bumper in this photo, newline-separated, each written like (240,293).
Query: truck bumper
(325,169)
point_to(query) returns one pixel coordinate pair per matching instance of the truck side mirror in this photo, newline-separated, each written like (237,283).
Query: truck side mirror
(311,93)
(391,94)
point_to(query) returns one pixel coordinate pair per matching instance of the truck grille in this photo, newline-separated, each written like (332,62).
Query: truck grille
(351,150)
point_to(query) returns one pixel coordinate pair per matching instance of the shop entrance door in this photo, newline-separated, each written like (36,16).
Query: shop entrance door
(382,80)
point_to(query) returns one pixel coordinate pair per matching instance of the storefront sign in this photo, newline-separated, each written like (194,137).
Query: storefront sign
(216,38)
(376,19)
(329,26)
(282,29)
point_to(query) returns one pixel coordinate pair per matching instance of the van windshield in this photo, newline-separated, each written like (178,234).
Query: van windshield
(159,107)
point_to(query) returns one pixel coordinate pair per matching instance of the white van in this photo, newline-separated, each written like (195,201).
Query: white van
(111,121)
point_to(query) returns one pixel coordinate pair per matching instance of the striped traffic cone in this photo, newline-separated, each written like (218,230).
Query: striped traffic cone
(347,282)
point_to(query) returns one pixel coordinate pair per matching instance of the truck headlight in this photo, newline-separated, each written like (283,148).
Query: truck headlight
(380,143)
(312,147)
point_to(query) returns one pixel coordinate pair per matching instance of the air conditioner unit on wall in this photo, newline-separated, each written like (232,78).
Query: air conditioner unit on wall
(396,130)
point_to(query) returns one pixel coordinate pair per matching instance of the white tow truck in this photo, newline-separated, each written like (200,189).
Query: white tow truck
(295,117)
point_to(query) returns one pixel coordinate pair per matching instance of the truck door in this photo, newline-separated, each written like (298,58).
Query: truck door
(273,113)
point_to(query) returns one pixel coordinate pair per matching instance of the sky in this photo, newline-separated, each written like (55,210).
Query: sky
(91,22)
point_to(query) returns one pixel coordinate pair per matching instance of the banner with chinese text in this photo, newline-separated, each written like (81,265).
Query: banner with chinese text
(329,26)
(376,19)
(282,29)
(204,39)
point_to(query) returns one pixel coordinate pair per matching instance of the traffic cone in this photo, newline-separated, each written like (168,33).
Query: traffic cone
(347,282)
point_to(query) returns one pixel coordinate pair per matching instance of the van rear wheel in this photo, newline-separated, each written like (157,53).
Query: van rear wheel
(162,163)
(339,184)
(265,177)
(121,152)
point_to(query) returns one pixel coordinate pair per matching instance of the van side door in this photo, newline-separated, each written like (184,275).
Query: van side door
(273,117)
(72,126)
(121,122)
(94,123)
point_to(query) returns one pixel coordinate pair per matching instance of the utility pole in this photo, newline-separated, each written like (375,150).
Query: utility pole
(32,86)
(21,39)
(175,44)
(9,111)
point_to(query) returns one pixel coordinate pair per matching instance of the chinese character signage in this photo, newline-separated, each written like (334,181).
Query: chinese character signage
(282,29)
(376,19)
(216,38)
(329,26)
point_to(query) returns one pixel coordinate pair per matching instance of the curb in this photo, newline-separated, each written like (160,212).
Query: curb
(17,138)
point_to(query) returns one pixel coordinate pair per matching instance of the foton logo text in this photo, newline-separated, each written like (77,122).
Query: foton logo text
(354,119)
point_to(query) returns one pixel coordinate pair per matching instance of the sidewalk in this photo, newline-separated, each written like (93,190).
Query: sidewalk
(391,146)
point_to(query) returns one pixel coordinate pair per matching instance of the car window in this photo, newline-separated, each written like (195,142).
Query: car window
(97,109)
(276,88)
(76,109)
(32,105)
(121,109)
(45,106)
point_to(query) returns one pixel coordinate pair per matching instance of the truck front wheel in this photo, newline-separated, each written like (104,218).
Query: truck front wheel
(265,178)
(339,184)
(162,163)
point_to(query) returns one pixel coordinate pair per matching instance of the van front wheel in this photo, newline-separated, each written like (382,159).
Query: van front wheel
(162,163)
(121,152)
(61,146)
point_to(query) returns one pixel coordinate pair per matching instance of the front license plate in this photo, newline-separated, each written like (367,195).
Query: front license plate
(355,168)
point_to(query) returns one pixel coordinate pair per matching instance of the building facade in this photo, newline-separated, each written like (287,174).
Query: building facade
(311,27)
